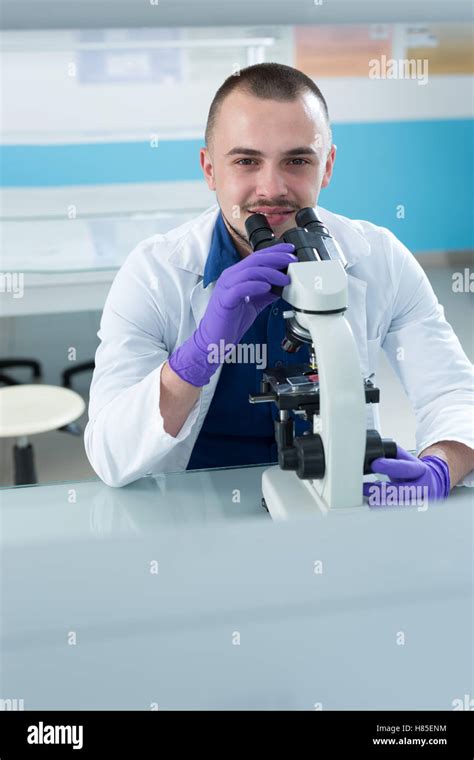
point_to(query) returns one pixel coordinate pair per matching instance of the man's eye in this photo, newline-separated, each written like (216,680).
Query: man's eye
(250,161)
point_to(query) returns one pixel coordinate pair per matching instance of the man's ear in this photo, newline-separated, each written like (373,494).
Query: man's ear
(329,166)
(207,168)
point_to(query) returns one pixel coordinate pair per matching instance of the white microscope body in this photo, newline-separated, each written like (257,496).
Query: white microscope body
(321,286)
(324,468)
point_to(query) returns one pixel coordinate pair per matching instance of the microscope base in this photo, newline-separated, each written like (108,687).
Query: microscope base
(286,497)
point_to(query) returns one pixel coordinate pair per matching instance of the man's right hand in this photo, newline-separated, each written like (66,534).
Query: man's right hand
(240,294)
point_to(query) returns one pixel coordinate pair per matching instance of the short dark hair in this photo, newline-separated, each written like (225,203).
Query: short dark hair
(269,81)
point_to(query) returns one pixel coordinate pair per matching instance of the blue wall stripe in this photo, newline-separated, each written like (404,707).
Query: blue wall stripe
(99,163)
(426,166)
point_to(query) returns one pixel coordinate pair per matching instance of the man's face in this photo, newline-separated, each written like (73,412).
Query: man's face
(269,157)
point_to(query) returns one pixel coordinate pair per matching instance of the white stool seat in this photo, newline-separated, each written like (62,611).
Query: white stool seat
(29,409)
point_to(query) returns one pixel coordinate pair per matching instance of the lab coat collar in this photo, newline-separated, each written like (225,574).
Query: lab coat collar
(192,248)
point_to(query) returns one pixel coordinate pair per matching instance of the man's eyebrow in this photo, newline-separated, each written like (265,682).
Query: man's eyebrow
(305,150)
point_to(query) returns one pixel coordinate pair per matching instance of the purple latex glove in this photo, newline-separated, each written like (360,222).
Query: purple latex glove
(240,294)
(412,480)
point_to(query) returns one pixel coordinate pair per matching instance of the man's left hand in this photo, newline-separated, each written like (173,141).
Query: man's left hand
(429,475)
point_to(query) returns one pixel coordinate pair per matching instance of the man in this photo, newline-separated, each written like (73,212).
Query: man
(159,400)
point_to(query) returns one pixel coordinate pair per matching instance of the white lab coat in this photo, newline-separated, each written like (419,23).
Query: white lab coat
(157,299)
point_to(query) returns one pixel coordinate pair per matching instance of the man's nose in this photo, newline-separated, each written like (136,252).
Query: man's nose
(271,183)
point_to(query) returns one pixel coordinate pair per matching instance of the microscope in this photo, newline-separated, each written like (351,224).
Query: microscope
(321,470)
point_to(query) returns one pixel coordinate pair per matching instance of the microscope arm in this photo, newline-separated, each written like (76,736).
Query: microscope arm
(318,293)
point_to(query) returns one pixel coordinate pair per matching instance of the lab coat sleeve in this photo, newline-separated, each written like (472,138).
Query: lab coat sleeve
(427,356)
(125,438)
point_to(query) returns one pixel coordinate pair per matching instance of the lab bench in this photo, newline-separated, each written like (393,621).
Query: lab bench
(179,592)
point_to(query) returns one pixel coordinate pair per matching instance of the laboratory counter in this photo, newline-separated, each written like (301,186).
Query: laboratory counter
(180,592)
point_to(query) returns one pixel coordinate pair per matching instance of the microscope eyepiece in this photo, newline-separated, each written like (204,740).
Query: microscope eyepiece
(327,248)
(259,232)
(308,218)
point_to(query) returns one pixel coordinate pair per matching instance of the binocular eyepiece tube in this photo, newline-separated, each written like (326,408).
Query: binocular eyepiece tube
(312,242)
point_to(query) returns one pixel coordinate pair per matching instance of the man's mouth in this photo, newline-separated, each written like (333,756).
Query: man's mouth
(275,215)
